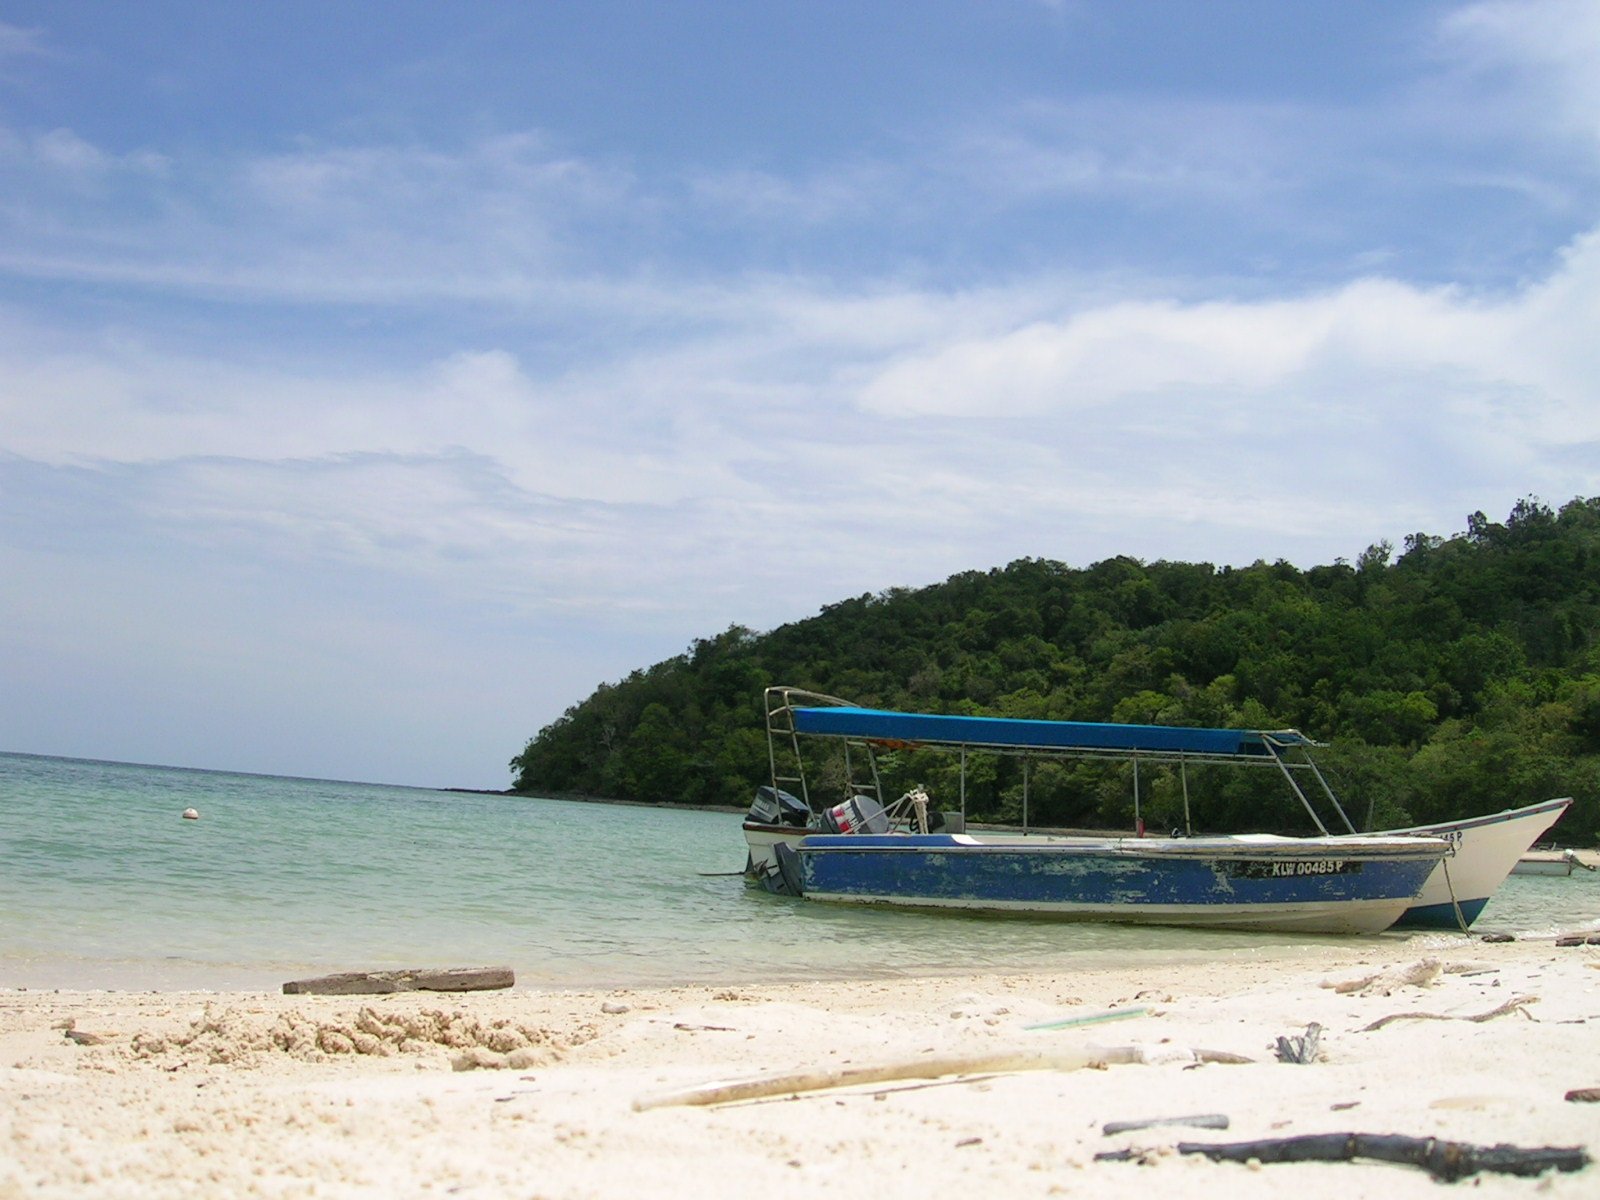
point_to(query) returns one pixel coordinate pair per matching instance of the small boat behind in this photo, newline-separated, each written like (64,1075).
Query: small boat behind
(1550,862)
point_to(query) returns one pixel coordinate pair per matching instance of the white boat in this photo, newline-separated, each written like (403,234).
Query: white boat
(906,854)
(1487,849)
(1550,862)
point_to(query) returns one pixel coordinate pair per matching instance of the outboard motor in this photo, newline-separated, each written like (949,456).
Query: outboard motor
(859,814)
(774,806)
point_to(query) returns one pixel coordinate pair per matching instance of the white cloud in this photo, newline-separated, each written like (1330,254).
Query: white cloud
(16,42)
(801,426)
(764,198)
(1178,149)
(63,149)
(45,159)
(1536,59)
(505,179)
(1534,350)
(1126,350)
(497,219)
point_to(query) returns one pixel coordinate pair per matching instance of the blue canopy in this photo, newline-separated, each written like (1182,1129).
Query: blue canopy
(1005,733)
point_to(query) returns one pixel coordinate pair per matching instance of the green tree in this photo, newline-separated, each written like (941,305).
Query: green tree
(1461,677)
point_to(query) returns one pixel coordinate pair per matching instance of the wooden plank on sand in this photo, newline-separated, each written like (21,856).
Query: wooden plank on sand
(417,979)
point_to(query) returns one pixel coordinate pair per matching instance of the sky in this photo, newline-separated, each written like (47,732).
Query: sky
(377,379)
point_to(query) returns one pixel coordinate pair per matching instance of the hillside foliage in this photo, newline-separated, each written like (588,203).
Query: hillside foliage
(1457,677)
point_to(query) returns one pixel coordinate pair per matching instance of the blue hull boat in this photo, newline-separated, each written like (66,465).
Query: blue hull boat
(1303,885)
(904,853)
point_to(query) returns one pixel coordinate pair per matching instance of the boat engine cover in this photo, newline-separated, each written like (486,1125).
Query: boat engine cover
(859,814)
(774,806)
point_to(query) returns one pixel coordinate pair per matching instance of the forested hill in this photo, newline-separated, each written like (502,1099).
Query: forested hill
(1459,677)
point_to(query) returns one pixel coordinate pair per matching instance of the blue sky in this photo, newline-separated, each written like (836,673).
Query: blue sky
(376,379)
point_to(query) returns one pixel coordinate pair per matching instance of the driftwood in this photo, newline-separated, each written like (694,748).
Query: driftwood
(1302,1049)
(1443,1160)
(763,1087)
(1419,974)
(1222,1056)
(1202,1121)
(1572,937)
(417,979)
(1515,1004)
(917,1068)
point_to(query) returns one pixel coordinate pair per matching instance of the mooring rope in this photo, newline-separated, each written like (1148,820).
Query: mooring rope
(1461,919)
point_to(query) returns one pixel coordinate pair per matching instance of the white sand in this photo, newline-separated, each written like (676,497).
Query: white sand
(238,1094)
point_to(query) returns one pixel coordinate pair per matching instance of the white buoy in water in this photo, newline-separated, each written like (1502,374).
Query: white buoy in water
(190,814)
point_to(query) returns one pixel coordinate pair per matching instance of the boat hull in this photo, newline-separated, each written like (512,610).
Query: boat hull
(1486,851)
(1312,885)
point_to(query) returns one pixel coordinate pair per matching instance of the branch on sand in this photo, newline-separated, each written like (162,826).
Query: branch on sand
(1447,1161)
(1515,1004)
(760,1088)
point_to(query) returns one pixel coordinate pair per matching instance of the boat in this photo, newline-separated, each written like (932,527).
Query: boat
(1487,849)
(1550,862)
(908,853)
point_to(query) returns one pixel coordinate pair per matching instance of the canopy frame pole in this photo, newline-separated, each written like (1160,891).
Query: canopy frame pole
(963,788)
(1333,799)
(877,780)
(1293,783)
(1183,774)
(1138,818)
(1025,762)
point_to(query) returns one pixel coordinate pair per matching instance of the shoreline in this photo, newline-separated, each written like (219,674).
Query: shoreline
(260,1094)
(169,977)
(1522,915)
(580,798)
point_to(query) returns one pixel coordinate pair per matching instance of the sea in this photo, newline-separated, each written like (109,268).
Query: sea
(104,884)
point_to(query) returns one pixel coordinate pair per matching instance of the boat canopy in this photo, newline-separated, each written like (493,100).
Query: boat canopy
(793,713)
(1006,733)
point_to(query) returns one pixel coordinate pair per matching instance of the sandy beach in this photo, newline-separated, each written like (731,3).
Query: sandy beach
(527,1093)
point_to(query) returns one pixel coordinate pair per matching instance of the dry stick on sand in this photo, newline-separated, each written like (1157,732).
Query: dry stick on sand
(1515,1004)
(1443,1160)
(739,1090)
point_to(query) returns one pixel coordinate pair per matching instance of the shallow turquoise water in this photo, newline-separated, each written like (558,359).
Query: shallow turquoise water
(102,884)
